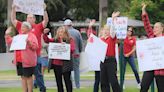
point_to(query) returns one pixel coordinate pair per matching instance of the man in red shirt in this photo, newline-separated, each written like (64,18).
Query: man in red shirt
(37,29)
(129,49)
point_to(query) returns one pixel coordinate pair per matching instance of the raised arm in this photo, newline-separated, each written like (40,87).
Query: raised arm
(45,17)
(90,27)
(146,22)
(112,29)
(13,15)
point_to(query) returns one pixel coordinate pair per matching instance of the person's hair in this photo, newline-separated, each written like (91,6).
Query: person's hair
(27,24)
(66,34)
(162,25)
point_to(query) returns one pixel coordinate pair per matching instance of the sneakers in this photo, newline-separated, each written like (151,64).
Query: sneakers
(139,85)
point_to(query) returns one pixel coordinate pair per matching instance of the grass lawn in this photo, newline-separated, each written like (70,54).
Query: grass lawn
(89,89)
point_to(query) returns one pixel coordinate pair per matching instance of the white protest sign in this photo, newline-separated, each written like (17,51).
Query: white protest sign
(96,51)
(30,6)
(84,66)
(19,42)
(150,54)
(59,51)
(120,26)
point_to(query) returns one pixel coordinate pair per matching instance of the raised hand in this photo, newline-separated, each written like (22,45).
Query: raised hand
(46,30)
(92,22)
(115,14)
(143,8)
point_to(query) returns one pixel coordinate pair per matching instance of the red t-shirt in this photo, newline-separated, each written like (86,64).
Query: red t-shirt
(37,29)
(111,46)
(128,44)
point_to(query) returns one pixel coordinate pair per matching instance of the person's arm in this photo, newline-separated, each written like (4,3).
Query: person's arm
(131,52)
(80,43)
(13,15)
(45,17)
(146,22)
(32,41)
(112,29)
(46,39)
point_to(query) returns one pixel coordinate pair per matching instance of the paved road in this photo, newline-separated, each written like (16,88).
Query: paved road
(52,83)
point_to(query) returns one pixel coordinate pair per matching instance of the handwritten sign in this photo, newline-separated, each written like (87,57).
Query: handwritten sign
(96,51)
(59,51)
(19,42)
(30,6)
(120,26)
(150,54)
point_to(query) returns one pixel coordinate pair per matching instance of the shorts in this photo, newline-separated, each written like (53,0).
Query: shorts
(26,72)
(43,61)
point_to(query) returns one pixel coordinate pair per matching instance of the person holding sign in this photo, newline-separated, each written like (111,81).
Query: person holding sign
(108,68)
(27,60)
(129,49)
(62,68)
(148,76)
(37,29)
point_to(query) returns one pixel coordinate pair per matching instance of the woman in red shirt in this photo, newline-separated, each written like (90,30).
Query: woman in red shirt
(62,67)
(148,76)
(108,68)
(129,49)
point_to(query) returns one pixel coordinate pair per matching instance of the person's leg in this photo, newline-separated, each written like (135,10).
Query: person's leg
(76,63)
(104,78)
(133,66)
(160,83)
(24,84)
(29,83)
(125,59)
(147,79)
(39,77)
(97,81)
(68,82)
(58,76)
(112,75)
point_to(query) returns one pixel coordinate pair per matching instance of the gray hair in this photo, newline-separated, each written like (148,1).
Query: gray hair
(27,24)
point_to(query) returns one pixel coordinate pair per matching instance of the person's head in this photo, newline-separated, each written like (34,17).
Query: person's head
(62,32)
(26,27)
(130,31)
(67,23)
(106,31)
(158,28)
(31,18)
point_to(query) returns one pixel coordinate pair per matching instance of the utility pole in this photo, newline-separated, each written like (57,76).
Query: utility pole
(9,5)
(103,12)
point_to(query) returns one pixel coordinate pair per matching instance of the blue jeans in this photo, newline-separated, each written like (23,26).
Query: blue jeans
(131,62)
(97,81)
(76,62)
(39,77)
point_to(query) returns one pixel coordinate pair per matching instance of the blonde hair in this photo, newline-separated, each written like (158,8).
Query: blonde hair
(162,25)
(66,33)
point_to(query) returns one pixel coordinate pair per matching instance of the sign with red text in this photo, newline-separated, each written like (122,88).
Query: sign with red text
(120,26)
(150,54)
(96,52)
(59,51)
(30,6)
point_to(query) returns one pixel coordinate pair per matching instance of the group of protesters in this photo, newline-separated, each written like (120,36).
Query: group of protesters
(29,61)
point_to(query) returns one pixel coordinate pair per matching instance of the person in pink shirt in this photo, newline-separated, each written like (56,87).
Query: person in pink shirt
(37,30)
(28,61)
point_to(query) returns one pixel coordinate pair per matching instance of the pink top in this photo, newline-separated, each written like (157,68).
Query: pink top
(29,55)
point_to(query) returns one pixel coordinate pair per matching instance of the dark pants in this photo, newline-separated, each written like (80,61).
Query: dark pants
(160,83)
(97,81)
(147,79)
(67,78)
(131,62)
(109,75)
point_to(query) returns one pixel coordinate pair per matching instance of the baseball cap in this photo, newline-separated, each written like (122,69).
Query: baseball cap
(67,22)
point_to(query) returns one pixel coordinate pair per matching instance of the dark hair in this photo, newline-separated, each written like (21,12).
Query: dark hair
(131,30)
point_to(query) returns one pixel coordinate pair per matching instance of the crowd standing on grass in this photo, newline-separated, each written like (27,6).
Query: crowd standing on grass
(29,61)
